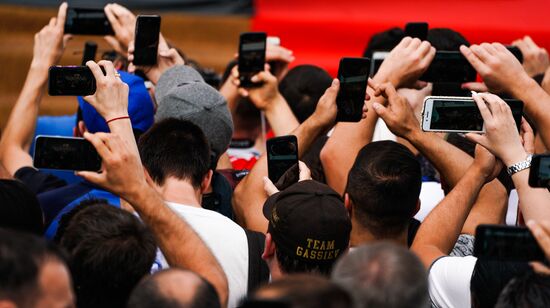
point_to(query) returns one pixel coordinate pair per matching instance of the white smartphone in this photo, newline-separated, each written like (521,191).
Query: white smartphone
(451,114)
(377,59)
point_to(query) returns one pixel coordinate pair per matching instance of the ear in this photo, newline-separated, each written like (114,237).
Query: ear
(417,209)
(81,128)
(269,249)
(347,204)
(206,181)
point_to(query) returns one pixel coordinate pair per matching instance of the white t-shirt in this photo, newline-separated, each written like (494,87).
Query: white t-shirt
(449,281)
(226,240)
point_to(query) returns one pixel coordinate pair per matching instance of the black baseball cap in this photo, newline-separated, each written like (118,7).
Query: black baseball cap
(309,222)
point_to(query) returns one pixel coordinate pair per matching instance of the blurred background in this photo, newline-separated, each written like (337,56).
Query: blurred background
(319,32)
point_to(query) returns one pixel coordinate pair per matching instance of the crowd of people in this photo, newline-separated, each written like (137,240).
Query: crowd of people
(183,214)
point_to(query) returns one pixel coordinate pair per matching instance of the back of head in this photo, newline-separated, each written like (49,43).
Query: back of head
(246,117)
(302,87)
(383,275)
(305,291)
(110,250)
(19,208)
(174,288)
(384,41)
(490,277)
(384,186)
(446,39)
(21,258)
(530,290)
(175,148)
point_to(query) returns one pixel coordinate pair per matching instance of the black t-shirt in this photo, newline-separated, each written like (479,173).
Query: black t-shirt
(38,181)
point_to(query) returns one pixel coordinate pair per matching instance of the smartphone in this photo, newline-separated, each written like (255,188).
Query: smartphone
(252,47)
(539,173)
(506,243)
(417,29)
(90,49)
(87,22)
(516,52)
(146,40)
(459,114)
(449,66)
(377,59)
(282,156)
(353,76)
(65,153)
(71,81)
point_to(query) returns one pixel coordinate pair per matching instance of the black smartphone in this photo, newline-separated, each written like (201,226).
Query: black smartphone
(87,22)
(506,243)
(252,47)
(449,66)
(376,61)
(146,40)
(353,75)
(516,52)
(90,49)
(417,29)
(539,173)
(460,114)
(449,89)
(282,156)
(65,153)
(71,81)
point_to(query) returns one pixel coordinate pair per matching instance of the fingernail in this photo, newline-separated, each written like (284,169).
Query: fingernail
(334,81)
(474,93)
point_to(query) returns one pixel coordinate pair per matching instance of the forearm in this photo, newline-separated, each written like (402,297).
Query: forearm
(181,246)
(441,228)
(280,117)
(17,137)
(534,203)
(123,128)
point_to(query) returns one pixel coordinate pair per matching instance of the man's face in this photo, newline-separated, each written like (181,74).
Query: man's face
(55,286)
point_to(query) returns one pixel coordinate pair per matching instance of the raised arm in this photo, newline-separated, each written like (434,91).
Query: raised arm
(403,66)
(17,137)
(123,175)
(438,233)
(250,196)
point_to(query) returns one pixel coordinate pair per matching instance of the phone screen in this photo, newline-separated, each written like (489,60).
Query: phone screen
(64,153)
(252,48)
(497,242)
(88,22)
(456,116)
(71,81)
(90,49)
(539,173)
(353,75)
(449,66)
(147,40)
(417,29)
(282,156)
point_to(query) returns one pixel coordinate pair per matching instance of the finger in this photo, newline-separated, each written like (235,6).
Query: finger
(477,138)
(480,52)
(530,43)
(419,85)
(475,86)
(415,43)
(405,42)
(98,144)
(260,77)
(67,38)
(243,92)
(483,109)
(476,62)
(92,177)
(96,70)
(61,15)
(305,173)
(109,68)
(115,23)
(269,187)
(495,104)
(332,91)
(489,48)
(428,58)
(424,48)
(372,84)
(380,110)
(389,90)
(540,268)
(52,22)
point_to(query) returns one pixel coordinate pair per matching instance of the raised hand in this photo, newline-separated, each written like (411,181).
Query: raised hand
(123,22)
(535,59)
(264,95)
(166,58)
(49,43)
(398,114)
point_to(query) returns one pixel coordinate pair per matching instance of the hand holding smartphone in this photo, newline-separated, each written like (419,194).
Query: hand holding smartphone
(146,40)
(505,243)
(252,46)
(353,75)
(87,22)
(65,153)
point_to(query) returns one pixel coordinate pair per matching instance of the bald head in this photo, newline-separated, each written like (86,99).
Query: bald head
(174,288)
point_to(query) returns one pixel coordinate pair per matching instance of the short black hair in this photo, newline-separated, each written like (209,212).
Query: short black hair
(20,209)
(292,265)
(384,186)
(246,116)
(177,148)
(302,87)
(383,274)
(489,279)
(110,250)
(526,291)
(21,258)
(384,41)
(446,39)
(148,294)
(305,291)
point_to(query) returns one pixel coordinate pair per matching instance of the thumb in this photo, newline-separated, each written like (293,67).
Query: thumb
(477,138)
(332,91)
(92,177)
(380,110)
(305,173)
(269,187)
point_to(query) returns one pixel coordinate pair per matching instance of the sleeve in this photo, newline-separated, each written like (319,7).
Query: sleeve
(38,181)
(449,281)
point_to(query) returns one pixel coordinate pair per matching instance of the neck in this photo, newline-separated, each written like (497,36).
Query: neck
(274,268)
(180,191)
(360,236)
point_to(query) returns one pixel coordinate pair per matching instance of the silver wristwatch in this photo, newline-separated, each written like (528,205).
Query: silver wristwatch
(522,165)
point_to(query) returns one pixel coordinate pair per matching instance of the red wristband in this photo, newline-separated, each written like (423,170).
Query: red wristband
(119,118)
